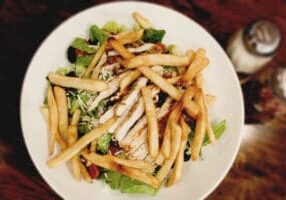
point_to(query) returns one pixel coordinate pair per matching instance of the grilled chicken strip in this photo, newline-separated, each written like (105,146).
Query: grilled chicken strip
(142,48)
(140,153)
(113,86)
(133,133)
(131,98)
(135,113)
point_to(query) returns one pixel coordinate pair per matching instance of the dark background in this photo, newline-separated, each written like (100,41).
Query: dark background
(259,171)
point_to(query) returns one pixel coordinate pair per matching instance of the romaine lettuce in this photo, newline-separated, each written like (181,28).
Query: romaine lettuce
(82,45)
(103,143)
(113,27)
(153,35)
(97,35)
(125,184)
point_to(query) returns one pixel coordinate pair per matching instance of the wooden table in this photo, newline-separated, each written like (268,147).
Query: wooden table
(259,171)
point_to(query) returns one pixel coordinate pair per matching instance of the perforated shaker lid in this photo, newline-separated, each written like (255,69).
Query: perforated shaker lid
(262,37)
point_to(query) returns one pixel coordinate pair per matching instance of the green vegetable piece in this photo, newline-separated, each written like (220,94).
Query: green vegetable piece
(79,70)
(74,105)
(97,35)
(103,143)
(129,185)
(125,184)
(113,179)
(83,129)
(170,47)
(218,129)
(65,70)
(153,35)
(113,27)
(170,69)
(82,45)
(84,60)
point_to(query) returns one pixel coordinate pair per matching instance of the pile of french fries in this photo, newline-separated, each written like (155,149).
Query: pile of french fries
(186,90)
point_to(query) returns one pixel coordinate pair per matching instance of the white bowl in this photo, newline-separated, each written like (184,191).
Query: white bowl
(200,177)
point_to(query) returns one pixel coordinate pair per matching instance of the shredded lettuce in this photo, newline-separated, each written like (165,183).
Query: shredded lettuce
(103,143)
(97,35)
(113,27)
(153,35)
(117,181)
(82,45)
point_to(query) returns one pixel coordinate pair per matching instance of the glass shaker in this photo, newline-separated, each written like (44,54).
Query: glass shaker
(265,100)
(254,46)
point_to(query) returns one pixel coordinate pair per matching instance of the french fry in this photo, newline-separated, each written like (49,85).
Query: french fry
(97,68)
(192,108)
(59,139)
(78,83)
(45,113)
(153,129)
(160,158)
(61,100)
(174,80)
(129,37)
(53,118)
(142,21)
(210,100)
(177,171)
(139,164)
(117,46)
(93,146)
(200,84)
(173,117)
(200,128)
(95,59)
(81,143)
(157,59)
(161,83)
(197,65)
(176,141)
(85,173)
(136,174)
(75,117)
(75,161)
(129,78)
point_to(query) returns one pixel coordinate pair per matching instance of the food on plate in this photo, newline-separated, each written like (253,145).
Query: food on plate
(128,110)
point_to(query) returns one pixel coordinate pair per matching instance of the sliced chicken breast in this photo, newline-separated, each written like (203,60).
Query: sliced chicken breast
(135,113)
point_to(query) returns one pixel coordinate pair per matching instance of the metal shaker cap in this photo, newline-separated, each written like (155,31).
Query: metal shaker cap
(278,82)
(262,38)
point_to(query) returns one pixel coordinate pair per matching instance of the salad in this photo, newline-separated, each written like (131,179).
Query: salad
(129,109)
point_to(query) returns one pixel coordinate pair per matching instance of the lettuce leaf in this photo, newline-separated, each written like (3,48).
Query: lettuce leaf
(103,143)
(65,70)
(153,35)
(113,27)
(129,185)
(82,45)
(97,35)
(125,184)
(218,129)
(84,60)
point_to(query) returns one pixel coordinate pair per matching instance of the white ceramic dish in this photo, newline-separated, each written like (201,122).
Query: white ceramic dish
(199,178)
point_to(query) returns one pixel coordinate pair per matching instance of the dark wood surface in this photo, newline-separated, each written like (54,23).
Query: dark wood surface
(259,171)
